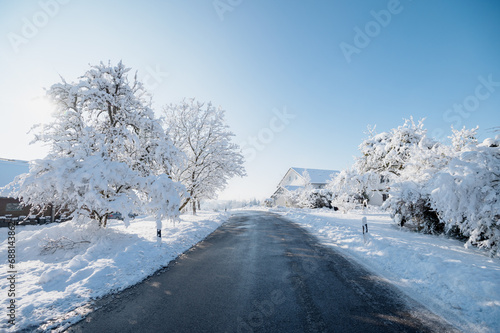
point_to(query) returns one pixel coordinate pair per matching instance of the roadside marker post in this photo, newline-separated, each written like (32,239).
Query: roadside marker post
(158,232)
(364,228)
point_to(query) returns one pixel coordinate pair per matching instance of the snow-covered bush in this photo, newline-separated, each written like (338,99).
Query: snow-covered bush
(463,139)
(320,198)
(108,153)
(466,194)
(434,188)
(409,201)
(308,196)
(349,188)
(410,206)
(268,202)
(292,198)
(452,189)
(311,198)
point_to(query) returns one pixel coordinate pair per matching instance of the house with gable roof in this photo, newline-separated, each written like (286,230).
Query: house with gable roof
(296,178)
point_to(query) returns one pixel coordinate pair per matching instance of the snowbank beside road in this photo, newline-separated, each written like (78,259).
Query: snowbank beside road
(462,285)
(52,281)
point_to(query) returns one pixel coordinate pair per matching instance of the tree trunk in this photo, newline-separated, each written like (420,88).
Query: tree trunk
(199,205)
(103,220)
(194,207)
(184,204)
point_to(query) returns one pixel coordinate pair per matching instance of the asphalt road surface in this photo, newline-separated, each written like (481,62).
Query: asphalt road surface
(261,273)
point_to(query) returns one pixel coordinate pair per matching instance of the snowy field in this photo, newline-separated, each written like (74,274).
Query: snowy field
(54,285)
(462,285)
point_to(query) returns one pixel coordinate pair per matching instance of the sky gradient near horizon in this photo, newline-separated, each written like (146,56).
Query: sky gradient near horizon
(300,81)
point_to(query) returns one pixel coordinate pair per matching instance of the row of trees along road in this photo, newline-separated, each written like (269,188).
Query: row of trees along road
(110,154)
(435,187)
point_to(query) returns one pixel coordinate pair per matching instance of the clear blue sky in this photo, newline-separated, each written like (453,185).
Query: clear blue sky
(255,58)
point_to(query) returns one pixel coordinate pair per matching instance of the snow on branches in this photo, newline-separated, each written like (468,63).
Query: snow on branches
(200,131)
(108,153)
(466,195)
(436,188)
(383,158)
(388,152)
(350,188)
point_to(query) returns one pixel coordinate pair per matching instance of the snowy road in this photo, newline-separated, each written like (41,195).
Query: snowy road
(261,273)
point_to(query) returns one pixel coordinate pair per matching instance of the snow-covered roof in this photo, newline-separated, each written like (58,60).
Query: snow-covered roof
(10,169)
(289,188)
(292,188)
(318,176)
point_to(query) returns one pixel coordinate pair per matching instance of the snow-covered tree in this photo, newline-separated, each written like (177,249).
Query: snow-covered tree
(436,188)
(383,159)
(452,189)
(409,202)
(466,194)
(200,131)
(108,153)
(386,153)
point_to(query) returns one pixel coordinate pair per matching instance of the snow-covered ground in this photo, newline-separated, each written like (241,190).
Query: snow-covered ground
(462,285)
(53,286)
